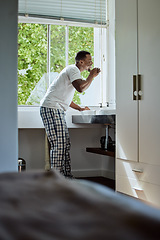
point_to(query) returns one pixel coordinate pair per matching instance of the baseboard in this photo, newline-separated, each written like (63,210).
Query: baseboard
(86,173)
(93,173)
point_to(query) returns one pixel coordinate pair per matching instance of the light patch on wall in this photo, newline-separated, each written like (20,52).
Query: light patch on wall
(120,151)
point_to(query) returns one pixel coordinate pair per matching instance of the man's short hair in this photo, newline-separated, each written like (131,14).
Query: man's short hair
(81,55)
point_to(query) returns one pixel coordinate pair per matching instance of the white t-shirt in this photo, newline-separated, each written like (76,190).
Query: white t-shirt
(60,93)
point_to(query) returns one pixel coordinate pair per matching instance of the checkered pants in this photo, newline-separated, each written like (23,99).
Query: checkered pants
(58,136)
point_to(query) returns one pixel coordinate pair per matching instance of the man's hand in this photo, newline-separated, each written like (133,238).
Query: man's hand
(84,108)
(94,72)
(77,107)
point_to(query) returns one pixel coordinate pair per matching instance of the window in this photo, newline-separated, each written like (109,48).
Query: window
(45,49)
(56,30)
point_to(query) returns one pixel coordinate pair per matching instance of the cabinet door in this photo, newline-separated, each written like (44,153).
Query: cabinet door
(149,67)
(126,67)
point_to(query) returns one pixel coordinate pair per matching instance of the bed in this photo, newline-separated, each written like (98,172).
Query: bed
(44,205)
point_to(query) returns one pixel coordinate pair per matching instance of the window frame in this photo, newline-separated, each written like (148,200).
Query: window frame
(102,55)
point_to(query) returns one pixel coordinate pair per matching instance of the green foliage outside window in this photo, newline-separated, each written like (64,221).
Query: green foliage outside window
(57,48)
(32,57)
(32,54)
(80,38)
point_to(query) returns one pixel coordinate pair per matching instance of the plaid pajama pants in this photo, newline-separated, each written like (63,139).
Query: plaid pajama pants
(58,136)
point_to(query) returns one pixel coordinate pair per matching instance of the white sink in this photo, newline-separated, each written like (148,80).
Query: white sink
(88,112)
(105,111)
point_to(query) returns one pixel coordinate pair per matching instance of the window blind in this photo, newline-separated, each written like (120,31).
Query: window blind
(88,11)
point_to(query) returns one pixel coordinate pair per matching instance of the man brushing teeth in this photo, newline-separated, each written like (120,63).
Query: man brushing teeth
(55,103)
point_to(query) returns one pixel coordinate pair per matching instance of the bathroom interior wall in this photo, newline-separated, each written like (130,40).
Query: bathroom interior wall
(8,86)
(31,149)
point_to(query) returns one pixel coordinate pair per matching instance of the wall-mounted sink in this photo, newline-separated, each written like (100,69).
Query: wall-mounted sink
(94,119)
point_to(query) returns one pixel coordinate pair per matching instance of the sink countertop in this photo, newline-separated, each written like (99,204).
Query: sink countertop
(94,119)
(29,117)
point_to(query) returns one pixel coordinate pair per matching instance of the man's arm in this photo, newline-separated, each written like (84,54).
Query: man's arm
(81,85)
(77,107)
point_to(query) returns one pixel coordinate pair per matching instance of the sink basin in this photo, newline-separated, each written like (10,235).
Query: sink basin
(94,119)
(104,111)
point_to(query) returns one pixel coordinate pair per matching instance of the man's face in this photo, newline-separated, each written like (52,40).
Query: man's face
(88,62)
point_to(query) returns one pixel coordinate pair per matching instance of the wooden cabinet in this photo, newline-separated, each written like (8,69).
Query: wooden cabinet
(138,65)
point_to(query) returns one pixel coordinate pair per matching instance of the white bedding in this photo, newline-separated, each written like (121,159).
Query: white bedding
(44,205)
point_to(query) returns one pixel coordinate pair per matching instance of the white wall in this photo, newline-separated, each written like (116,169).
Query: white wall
(31,137)
(31,145)
(32,150)
(8,86)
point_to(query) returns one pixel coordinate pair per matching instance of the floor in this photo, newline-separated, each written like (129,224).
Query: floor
(102,180)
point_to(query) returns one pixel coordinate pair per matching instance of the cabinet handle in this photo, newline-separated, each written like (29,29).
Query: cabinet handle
(139,87)
(137,170)
(134,88)
(137,188)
